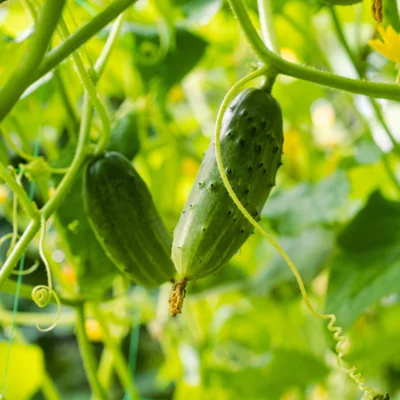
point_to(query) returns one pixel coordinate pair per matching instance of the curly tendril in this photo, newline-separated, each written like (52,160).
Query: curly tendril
(341,346)
(149,53)
(42,294)
(14,236)
(28,271)
(6,237)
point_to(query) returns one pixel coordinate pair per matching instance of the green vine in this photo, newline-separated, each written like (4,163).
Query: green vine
(36,64)
(19,81)
(81,36)
(372,89)
(87,355)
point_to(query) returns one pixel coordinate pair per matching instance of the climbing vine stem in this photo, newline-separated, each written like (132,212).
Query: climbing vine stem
(87,355)
(372,89)
(21,78)
(121,365)
(267,25)
(357,66)
(81,36)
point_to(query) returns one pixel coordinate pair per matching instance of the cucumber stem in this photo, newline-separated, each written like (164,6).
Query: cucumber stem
(177,296)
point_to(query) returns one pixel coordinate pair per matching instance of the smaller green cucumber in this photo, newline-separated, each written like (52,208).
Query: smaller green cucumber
(126,222)
(125,135)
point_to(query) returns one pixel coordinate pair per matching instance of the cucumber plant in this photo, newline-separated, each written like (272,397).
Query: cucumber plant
(235,179)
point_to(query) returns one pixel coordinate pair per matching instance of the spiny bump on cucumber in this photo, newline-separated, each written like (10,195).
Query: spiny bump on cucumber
(251,148)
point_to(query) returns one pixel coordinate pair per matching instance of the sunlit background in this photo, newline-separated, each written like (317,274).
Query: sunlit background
(245,333)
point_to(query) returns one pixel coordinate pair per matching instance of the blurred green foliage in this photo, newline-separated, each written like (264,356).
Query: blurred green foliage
(245,332)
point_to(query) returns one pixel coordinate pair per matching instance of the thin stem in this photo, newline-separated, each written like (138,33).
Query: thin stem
(27,204)
(49,389)
(29,318)
(380,90)
(390,173)
(31,9)
(104,372)
(308,38)
(381,120)
(99,68)
(378,112)
(87,355)
(90,88)
(101,62)
(69,108)
(81,156)
(21,153)
(81,36)
(14,236)
(357,66)
(342,39)
(267,25)
(121,366)
(62,189)
(20,80)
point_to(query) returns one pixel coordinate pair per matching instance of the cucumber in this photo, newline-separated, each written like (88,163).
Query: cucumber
(126,222)
(125,136)
(211,229)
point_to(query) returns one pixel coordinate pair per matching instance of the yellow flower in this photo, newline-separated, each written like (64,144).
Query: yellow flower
(390,44)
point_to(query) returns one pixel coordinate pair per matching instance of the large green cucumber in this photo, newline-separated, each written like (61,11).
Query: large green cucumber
(126,222)
(211,228)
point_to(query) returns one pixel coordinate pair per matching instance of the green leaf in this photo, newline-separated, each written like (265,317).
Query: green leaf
(291,211)
(375,227)
(24,372)
(367,152)
(95,272)
(367,267)
(310,252)
(199,11)
(378,353)
(177,63)
(291,369)
(277,372)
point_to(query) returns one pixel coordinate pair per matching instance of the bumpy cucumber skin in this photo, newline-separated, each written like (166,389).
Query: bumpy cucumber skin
(211,228)
(125,220)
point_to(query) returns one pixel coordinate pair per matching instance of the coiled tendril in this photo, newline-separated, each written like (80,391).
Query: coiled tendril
(42,294)
(341,346)
(28,271)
